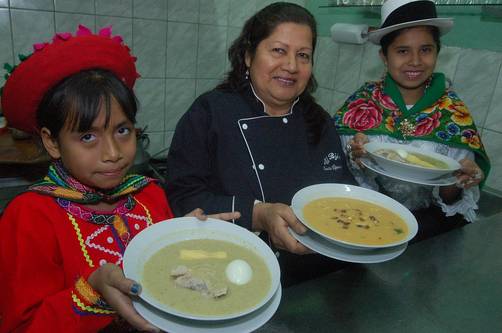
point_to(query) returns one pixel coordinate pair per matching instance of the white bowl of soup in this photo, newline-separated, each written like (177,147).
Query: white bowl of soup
(354,216)
(405,160)
(202,270)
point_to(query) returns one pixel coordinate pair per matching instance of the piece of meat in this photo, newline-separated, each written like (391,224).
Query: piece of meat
(179,271)
(183,278)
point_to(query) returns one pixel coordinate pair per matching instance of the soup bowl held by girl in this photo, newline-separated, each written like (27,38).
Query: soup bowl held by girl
(412,162)
(202,270)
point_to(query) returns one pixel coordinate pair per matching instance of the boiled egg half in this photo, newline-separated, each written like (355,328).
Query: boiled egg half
(239,272)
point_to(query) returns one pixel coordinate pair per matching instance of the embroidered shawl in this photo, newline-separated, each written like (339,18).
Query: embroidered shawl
(60,184)
(377,108)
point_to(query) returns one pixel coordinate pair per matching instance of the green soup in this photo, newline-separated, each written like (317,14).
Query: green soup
(159,282)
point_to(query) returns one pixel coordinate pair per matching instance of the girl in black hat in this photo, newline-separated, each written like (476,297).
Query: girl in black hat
(413,105)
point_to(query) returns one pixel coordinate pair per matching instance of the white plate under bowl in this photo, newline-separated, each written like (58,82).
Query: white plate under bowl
(314,192)
(410,170)
(242,324)
(152,239)
(444,180)
(330,249)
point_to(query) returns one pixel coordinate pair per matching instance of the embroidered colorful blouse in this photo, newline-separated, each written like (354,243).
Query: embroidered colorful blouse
(48,248)
(378,108)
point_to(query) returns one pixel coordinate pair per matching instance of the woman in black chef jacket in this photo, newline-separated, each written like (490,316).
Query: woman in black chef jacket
(251,143)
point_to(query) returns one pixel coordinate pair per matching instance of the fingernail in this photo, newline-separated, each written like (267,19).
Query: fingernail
(135,289)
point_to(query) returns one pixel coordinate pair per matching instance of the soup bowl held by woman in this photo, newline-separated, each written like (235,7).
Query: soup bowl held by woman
(354,216)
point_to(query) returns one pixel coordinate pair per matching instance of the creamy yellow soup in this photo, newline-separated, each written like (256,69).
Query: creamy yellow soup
(355,221)
(207,259)
(413,158)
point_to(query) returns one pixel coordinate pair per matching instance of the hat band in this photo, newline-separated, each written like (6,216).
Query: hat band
(413,11)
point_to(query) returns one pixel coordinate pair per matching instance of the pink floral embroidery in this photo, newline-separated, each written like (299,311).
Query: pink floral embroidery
(362,115)
(384,100)
(428,124)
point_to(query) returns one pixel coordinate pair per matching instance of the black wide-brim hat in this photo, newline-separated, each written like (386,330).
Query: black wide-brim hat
(400,14)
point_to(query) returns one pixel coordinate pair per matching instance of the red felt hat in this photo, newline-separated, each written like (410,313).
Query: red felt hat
(51,63)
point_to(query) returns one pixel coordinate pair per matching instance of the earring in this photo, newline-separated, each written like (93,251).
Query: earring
(428,82)
(247,74)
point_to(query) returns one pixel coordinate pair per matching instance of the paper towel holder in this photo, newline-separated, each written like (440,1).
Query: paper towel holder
(349,33)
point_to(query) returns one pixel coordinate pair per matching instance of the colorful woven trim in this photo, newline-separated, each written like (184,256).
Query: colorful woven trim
(86,299)
(58,183)
(118,222)
(377,108)
(96,217)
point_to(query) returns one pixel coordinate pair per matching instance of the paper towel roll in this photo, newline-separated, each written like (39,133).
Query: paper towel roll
(349,33)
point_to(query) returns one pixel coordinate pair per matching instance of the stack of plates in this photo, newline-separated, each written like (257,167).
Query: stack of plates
(343,250)
(151,240)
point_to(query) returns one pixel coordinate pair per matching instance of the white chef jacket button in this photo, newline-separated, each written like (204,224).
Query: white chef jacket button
(245,126)
(285,120)
(261,166)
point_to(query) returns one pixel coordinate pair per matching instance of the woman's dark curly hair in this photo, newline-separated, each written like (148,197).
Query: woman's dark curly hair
(259,27)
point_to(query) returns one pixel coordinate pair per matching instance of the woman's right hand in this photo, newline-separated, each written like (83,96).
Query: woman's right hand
(355,148)
(275,218)
(109,281)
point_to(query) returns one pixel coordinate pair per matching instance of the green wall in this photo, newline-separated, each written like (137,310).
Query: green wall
(475,27)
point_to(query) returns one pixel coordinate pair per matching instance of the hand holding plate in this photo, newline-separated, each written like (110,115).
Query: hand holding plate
(109,281)
(226,216)
(355,148)
(275,220)
(469,174)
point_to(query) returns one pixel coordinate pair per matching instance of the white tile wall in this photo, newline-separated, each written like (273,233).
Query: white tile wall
(182,41)
(181,47)
(180,94)
(151,96)
(214,12)
(6,55)
(114,7)
(149,45)
(150,9)
(183,10)
(493,144)
(32,4)
(30,27)
(349,62)
(65,22)
(75,6)
(475,79)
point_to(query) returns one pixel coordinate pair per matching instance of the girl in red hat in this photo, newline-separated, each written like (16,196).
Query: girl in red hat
(62,241)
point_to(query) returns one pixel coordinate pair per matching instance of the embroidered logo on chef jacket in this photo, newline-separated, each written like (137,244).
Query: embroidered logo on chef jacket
(332,162)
